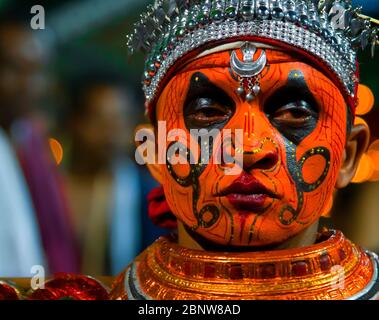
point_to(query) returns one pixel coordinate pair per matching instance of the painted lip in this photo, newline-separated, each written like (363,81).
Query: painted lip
(246,193)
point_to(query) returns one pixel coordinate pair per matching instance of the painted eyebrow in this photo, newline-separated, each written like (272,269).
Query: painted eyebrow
(296,79)
(200,84)
(295,88)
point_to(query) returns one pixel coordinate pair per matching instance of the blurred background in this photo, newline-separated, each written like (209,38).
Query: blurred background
(72,198)
(70,98)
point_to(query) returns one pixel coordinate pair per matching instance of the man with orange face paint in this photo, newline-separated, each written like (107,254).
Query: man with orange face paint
(283,74)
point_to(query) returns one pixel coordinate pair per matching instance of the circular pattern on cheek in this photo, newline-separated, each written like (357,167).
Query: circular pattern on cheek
(313,168)
(288,213)
(209,214)
(312,153)
(207,217)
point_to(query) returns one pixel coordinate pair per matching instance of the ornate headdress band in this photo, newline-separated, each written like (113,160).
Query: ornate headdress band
(330,31)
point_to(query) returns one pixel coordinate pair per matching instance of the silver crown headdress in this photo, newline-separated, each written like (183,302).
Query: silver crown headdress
(330,30)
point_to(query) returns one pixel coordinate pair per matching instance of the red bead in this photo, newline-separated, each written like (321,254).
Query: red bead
(7,292)
(236,272)
(209,270)
(299,268)
(325,263)
(71,287)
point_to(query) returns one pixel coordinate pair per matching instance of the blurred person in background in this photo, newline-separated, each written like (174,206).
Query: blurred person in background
(36,225)
(103,184)
(23,86)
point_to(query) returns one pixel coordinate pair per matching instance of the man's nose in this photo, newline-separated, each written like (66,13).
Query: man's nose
(259,158)
(258,152)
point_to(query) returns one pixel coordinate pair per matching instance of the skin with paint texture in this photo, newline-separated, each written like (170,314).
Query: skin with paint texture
(294,152)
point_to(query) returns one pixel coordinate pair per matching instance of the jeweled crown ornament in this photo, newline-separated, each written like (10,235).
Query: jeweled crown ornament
(330,31)
(248,70)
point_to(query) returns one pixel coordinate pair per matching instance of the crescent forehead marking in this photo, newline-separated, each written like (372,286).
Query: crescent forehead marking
(248,69)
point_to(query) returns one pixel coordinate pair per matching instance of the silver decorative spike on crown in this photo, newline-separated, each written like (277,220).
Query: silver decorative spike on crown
(263,9)
(277,9)
(231,9)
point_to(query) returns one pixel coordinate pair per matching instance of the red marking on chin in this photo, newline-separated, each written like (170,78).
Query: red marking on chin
(243,216)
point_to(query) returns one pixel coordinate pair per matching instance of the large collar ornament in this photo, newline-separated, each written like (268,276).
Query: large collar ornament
(331,269)
(329,31)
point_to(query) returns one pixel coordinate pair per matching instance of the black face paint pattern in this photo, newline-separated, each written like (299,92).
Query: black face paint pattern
(297,85)
(295,168)
(199,86)
(193,180)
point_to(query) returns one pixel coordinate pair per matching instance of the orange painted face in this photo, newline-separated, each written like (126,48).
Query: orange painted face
(294,136)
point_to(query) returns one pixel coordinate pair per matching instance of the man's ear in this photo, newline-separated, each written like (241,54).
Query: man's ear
(147,149)
(356,146)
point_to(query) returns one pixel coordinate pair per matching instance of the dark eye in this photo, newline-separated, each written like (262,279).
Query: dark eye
(206,105)
(204,112)
(294,114)
(293,111)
